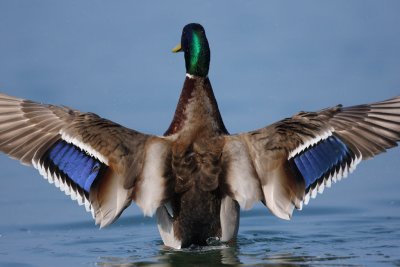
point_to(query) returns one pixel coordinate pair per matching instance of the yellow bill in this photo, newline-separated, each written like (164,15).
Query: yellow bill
(177,48)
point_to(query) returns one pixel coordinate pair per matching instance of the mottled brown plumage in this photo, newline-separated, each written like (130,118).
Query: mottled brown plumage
(197,131)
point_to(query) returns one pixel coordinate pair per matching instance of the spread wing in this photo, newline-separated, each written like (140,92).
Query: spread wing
(288,162)
(99,163)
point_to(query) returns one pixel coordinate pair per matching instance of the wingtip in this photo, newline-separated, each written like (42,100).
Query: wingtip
(284,214)
(105,223)
(286,217)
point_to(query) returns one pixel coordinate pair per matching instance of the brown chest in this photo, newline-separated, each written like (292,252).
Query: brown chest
(197,109)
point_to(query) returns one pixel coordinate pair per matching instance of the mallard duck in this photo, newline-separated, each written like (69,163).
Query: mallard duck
(197,176)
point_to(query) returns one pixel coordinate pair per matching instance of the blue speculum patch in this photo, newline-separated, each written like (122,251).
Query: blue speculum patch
(320,159)
(74,164)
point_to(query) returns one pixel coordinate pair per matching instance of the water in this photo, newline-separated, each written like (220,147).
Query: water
(270,59)
(333,239)
(331,235)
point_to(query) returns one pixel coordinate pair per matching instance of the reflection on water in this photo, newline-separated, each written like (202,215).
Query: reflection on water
(206,256)
(214,256)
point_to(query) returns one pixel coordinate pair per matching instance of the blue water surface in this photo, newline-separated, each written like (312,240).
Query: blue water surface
(269,60)
(328,236)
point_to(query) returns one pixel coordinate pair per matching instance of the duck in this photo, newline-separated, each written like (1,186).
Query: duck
(196,177)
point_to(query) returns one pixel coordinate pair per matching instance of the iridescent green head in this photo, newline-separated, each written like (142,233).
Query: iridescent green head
(197,52)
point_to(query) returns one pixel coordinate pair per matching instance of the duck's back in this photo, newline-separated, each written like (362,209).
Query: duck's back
(196,200)
(197,167)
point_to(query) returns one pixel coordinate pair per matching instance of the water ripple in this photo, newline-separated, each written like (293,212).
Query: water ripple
(328,240)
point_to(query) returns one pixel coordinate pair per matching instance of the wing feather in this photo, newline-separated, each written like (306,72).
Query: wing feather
(319,147)
(29,131)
